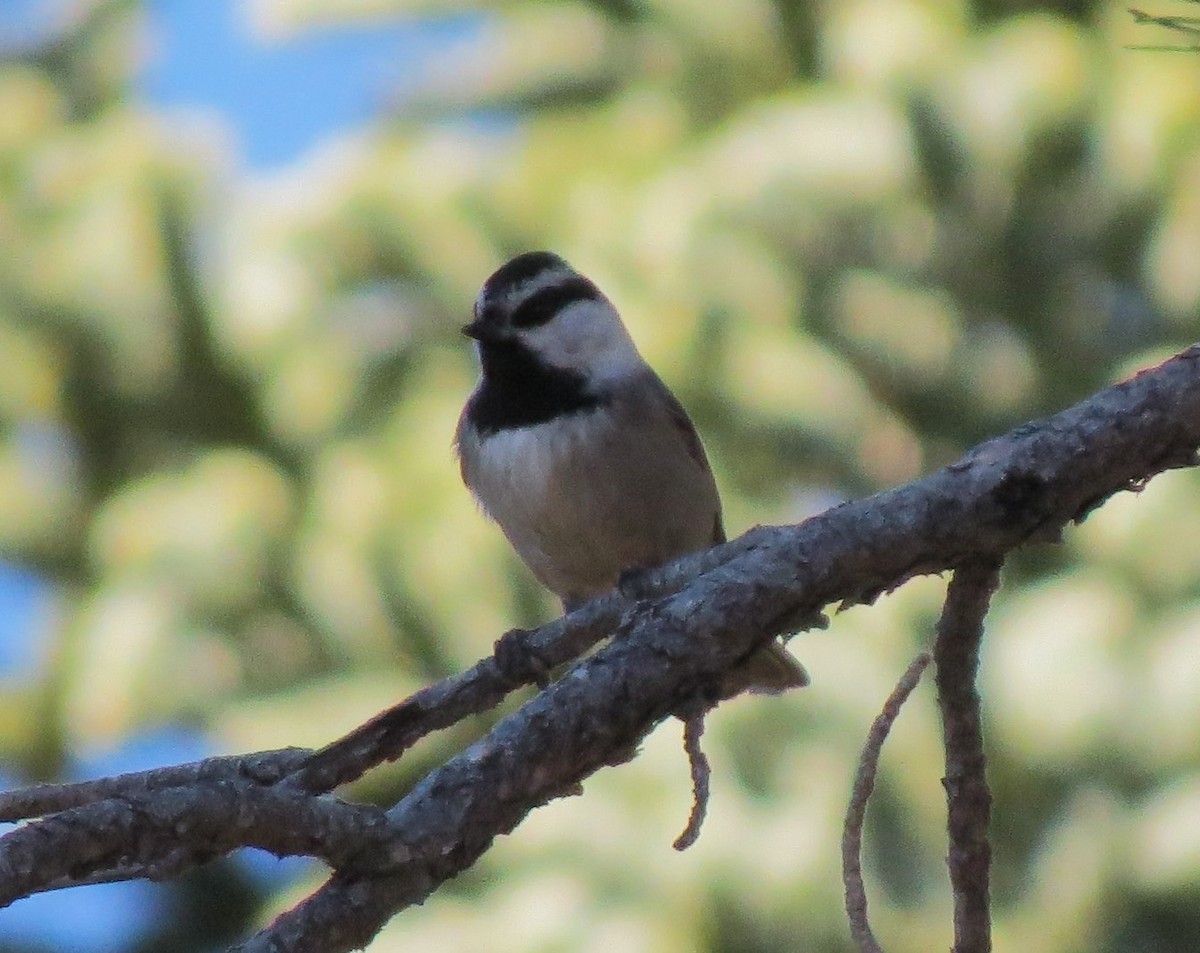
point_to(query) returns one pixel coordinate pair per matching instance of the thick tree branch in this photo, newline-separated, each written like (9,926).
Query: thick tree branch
(1027,484)
(702,616)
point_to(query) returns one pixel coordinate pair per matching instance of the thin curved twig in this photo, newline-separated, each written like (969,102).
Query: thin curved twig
(856,812)
(693,731)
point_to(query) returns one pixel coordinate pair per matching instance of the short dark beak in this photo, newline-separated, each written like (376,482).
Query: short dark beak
(481,331)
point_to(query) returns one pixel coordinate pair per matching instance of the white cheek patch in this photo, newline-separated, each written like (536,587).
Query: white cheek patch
(588,336)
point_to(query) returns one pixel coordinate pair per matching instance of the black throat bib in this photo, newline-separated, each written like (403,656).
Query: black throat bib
(518,390)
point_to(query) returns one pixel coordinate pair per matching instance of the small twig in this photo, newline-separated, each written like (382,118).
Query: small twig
(159,834)
(693,730)
(1187,26)
(263,767)
(482,687)
(864,784)
(968,799)
(1178,24)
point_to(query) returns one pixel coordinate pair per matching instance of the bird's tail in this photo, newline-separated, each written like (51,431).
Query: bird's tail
(771,670)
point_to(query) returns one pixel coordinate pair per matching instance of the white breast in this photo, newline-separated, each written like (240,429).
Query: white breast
(530,480)
(583,497)
(516,469)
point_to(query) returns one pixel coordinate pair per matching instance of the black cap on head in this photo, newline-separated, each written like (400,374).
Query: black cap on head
(520,270)
(527,292)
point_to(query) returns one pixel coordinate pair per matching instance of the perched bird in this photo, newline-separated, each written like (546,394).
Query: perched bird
(578,450)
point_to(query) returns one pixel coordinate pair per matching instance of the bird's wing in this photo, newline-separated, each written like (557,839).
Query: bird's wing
(681,427)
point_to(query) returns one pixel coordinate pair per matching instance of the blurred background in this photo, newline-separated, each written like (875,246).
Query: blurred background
(236,242)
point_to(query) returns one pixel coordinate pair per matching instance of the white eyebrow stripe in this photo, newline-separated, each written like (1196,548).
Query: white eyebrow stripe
(546,278)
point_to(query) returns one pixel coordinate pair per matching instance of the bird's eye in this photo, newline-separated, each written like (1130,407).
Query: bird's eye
(543,305)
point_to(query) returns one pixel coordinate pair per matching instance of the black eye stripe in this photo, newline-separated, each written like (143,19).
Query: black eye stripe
(520,270)
(543,305)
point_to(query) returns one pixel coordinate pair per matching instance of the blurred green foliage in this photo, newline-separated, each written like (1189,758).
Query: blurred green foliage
(855,237)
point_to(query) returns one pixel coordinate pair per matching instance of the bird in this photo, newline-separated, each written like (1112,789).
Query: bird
(578,450)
